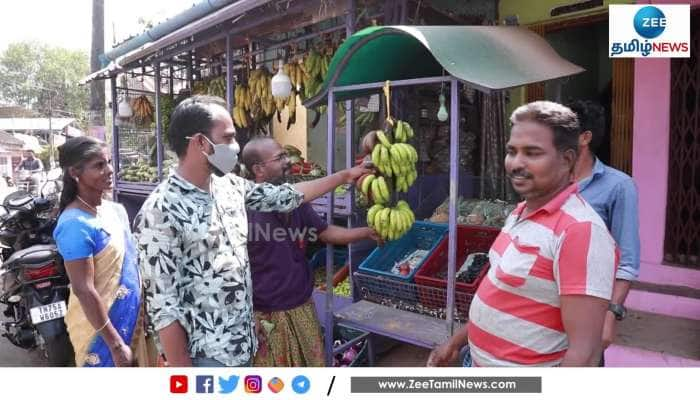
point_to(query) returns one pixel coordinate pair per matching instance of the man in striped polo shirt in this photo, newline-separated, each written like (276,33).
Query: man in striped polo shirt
(546,294)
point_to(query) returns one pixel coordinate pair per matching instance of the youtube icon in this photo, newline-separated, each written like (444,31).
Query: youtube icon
(178,384)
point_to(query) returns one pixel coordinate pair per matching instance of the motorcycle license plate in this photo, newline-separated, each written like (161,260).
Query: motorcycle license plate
(48,312)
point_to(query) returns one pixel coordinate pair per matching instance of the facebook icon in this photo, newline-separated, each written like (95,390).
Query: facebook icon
(205,384)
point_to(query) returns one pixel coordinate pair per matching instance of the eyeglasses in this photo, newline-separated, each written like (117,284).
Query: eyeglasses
(279,158)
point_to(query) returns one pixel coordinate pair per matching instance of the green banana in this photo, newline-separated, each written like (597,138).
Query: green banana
(409,132)
(376,154)
(377,195)
(385,161)
(366,184)
(383,139)
(383,188)
(398,132)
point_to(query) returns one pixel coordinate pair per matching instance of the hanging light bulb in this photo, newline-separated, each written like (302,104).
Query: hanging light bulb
(281,84)
(125,110)
(442,114)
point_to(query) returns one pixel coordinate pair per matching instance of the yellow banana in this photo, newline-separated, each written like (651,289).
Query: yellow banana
(371,213)
(384,218)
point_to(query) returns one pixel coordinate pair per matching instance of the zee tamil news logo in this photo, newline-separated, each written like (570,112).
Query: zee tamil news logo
(649,30)
(649,22)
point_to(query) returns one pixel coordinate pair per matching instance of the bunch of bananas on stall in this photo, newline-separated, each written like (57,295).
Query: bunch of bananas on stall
(375,187)
(143,111)
(402,131)
(242,103)
(295,71)
(396,165)
(315,66)
(262,103)
(395,159)
(254,101)
(200,87)
(217,87)
(391,222)
(139,172)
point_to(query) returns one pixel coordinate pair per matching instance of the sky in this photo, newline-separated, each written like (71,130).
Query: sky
(68,23)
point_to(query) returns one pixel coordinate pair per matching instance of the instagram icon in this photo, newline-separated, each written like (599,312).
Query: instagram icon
(253,384)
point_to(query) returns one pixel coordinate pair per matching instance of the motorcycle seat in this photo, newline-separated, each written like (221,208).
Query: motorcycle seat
(18,200)
(35,256)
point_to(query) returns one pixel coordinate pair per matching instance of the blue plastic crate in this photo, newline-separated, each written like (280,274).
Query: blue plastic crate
(421,236)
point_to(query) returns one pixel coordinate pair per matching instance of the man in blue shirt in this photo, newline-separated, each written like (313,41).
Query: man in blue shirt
(613,195)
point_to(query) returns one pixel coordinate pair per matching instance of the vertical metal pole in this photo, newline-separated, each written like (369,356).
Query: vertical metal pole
(349,142)
(171,85)
(229,73)
(190,70)
(329,247)
(115,137)
(159,126)
(454,184)
(557,91)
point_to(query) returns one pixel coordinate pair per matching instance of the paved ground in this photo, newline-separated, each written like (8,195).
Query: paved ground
(404,355)
(12,356)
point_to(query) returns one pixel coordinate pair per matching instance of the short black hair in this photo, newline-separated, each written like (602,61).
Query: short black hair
(591,116)
(193,115)
(559,118)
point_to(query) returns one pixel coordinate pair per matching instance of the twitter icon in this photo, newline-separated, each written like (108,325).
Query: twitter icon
(228,385)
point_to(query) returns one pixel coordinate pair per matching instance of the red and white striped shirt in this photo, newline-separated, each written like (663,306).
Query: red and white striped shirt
(564,248)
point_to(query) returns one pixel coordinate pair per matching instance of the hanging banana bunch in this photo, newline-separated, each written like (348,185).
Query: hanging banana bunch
(217,87)
(242,105)
(143,111)
(395,161)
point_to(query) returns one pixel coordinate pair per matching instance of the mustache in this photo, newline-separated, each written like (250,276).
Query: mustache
(519,173)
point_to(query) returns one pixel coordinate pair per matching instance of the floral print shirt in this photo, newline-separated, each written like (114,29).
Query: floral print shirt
(192,247)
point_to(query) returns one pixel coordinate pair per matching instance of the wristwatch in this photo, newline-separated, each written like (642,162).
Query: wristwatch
(619,310)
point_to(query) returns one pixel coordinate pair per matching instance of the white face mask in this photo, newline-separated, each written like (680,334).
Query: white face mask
(225,156)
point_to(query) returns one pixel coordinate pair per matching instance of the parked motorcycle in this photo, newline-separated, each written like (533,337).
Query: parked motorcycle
(34,283)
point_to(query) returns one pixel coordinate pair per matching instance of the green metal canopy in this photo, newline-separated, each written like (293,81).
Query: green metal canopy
(486,57)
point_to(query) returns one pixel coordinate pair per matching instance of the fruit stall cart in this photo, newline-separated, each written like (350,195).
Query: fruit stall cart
(486,58)
(219,52)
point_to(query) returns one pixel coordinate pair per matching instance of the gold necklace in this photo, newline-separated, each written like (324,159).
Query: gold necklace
(86,204)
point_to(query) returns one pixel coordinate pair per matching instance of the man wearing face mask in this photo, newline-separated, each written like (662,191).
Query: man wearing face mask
(192,233)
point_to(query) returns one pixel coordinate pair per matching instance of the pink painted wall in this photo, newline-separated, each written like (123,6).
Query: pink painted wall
(652,79)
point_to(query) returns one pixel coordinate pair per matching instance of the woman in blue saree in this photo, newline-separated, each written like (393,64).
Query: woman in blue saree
(105,317)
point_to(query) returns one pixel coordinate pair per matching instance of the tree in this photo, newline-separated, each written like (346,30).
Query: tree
(45,78)
(97,87)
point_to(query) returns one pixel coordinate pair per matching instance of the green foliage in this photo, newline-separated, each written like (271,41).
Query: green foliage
(34,74)
(43,155)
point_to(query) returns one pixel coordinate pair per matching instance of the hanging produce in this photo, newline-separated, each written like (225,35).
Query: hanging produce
(217,87)
(143,111)
(254,101)
(396,166)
